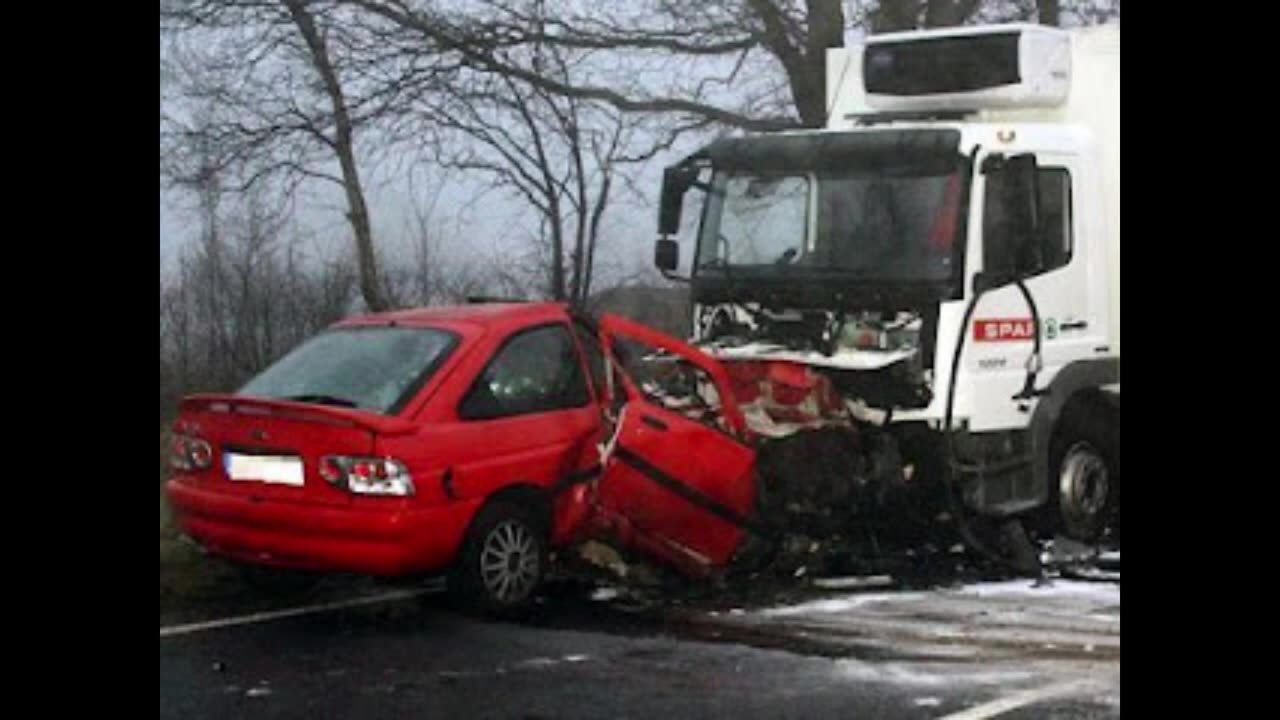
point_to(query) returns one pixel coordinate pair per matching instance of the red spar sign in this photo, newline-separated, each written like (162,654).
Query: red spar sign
(1003,330)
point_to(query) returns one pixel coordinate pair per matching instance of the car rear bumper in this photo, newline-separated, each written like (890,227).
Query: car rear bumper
(373,541)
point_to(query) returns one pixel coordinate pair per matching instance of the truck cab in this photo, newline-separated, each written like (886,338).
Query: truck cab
(942,259)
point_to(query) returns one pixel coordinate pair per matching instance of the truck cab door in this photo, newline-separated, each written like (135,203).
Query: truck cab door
(1069,291)
(680,489)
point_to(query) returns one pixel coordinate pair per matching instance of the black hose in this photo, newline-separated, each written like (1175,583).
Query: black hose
(957,511)
(1029,387)
(953,461)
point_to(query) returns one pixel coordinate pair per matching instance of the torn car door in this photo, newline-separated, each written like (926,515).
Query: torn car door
(673,486)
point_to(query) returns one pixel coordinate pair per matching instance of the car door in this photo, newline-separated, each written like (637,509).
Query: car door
(675,487)
(522,413)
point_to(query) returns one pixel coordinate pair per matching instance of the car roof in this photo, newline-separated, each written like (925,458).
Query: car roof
(486,315)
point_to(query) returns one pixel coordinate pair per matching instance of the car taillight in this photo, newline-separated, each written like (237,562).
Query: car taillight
(188,453)
(367,475)
(331,471)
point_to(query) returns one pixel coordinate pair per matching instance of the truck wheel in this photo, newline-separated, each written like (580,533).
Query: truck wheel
(1084,484)
(502,562)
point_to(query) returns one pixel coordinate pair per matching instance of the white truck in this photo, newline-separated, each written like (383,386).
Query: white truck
(928,287)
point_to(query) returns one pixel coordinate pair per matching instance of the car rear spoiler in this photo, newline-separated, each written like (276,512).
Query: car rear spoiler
(305,412)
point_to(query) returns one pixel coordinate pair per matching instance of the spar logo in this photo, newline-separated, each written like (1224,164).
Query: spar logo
(1004,330)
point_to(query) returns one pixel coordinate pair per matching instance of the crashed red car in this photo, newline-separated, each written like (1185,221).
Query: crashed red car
(469,439)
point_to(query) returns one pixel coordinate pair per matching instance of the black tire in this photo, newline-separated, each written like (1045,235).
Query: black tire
(502,563)
(1084,479)
(757,551)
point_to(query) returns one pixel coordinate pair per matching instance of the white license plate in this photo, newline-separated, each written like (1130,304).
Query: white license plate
(282,470)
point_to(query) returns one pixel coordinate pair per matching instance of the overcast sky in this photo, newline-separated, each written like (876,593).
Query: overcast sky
(496,222)
(469,218)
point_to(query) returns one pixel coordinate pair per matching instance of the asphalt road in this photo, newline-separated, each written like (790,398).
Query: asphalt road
(573,659)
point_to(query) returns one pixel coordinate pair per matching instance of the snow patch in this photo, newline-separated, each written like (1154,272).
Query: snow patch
(538,662)
(546,662)
(1098,592)
(922,676)
(852,582)
(605,594)
(841,604)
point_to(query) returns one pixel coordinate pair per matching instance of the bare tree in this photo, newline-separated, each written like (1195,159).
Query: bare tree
(722,57)
(342,140)
(559,155)
(285,88)
(242,294)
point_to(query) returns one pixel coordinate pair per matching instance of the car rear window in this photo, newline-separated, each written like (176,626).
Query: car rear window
(371,368)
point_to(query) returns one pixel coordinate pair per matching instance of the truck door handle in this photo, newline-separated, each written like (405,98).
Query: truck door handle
(1074,325)
(653,422)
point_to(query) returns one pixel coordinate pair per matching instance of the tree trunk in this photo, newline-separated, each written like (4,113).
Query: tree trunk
(576,285)
(1049,12)
(826,30)
(803,59)
(597,214)
(557,250)
(343,145)
(945,13)
(895,15)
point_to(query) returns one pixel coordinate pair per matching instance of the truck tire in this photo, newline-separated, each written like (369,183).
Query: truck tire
(502,562)
(1084,484)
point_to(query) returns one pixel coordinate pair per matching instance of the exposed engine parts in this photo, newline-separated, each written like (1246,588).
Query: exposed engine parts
(820,331)
(876,358)
(818,391)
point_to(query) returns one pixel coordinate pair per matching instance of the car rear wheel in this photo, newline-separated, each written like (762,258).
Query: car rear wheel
(503,561)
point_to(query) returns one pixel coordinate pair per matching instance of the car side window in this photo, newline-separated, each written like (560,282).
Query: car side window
(536,370)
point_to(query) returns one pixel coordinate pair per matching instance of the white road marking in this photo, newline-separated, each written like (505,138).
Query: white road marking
(289,612)
(1003,705)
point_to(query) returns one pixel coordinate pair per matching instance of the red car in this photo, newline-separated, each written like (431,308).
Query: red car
(470,439)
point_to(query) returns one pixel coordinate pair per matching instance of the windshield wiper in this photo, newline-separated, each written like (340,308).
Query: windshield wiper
(323,400)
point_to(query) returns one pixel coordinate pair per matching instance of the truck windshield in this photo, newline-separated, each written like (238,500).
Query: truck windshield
(890,225)
(372,368)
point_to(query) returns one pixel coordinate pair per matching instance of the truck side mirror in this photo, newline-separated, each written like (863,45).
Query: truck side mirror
(676,181)
(666,255)
(1023,192)
(1011,223)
